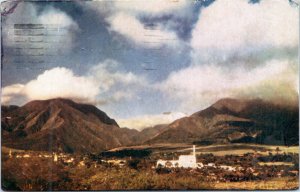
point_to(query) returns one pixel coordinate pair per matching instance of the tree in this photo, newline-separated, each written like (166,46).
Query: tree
(133,163)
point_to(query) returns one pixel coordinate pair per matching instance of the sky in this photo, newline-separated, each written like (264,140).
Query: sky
(150,62)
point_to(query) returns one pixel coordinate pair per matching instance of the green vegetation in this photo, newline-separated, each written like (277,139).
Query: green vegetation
(41,174)
(127,153)
(32,170)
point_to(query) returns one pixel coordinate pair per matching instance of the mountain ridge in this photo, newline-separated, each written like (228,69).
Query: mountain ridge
(232,120)
(61,125)
(64,125)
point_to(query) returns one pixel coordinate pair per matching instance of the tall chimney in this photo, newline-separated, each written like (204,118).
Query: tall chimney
(194,150)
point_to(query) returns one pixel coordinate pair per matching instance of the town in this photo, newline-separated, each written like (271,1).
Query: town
(205,167)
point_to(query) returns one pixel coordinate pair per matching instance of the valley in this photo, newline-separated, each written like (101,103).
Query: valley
(243,170)
(129,95)
(239,144)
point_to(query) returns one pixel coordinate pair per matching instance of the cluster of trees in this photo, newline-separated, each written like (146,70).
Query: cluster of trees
(126,153)
(279,157)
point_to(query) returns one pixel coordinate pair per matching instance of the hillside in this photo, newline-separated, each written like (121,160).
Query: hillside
(147,133)
(61,125)
(236,121)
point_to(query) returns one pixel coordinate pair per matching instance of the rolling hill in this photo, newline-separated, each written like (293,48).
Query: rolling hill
(147,133)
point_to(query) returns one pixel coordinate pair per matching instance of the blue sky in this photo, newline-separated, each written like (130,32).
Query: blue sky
(150,62)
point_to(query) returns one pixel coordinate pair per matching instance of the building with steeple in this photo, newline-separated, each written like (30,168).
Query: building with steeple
(184,161)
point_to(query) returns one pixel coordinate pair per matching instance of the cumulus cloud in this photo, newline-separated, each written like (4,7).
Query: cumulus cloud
(125,19)
(57,82)
(102,84)
(61,82)
(56,17)
(130,27)
(198,86)
(109,74)
(144,121)
(116,84)
(234,53)
(66,25)
(236,27)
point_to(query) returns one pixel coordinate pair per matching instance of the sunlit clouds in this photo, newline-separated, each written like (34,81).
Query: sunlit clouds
(136,60)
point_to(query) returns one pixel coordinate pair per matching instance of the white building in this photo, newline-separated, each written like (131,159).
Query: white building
(184,161)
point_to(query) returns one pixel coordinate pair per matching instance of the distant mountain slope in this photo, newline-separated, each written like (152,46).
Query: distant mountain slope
(232,120)
(147,133)
(8,108)
(61,125)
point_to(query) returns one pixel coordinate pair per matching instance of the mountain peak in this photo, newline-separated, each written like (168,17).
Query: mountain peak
(63,103)
(234,105)
(236,120)
(44,103)
(61,125)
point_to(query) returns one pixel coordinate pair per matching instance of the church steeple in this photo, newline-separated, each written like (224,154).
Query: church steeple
(194,150)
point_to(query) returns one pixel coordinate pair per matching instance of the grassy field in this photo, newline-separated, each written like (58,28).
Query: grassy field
(240,149)
(218,150)
(273,184)
(275,163)
(7,149)
(157,147)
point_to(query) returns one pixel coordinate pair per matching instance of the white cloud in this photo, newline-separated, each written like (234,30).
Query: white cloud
(234,26)
(61,82)
(114,82)
(199,86)
(223,65)
(54,83)
(9,92)
(26,11)
(102,84)
(56,17)
(109,74)
(129,26)
(125,18)
(67,28)
(144,121)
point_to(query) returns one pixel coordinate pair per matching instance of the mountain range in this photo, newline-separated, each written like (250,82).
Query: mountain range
(63,125)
